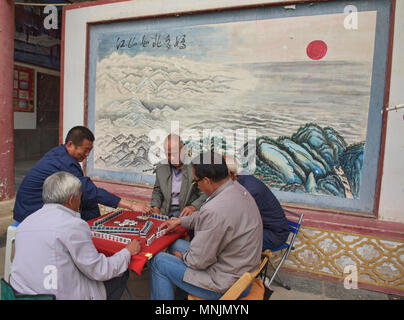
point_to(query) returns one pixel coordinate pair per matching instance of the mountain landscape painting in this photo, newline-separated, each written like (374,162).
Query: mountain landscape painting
(303,84)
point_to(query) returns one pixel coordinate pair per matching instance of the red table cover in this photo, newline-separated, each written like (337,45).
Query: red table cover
(137,262)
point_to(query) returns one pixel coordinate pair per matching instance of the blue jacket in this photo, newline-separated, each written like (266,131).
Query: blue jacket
(276,226)
(29,195)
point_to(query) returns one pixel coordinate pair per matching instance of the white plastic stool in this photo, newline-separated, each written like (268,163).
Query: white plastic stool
(11,230)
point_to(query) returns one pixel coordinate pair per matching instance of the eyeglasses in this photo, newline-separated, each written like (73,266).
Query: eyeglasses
(196,181)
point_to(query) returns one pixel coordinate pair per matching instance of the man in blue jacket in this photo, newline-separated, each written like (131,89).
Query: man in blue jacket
(276,226)
(77,147)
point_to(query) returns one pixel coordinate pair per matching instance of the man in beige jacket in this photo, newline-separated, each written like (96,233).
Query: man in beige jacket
(227,242)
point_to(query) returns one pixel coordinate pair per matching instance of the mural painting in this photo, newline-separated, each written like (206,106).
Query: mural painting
(302,91)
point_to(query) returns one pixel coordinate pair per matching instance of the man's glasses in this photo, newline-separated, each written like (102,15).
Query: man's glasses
(195,181)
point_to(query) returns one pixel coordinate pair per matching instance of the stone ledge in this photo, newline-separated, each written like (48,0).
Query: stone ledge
(6,207)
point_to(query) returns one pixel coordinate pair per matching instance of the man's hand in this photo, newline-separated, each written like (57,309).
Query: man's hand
(170,225)
(156,210)
(134,247)
(142,207)
(177,254)
(187,211)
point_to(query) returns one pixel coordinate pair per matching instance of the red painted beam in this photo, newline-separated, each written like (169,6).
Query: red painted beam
(350,223)
(6,100)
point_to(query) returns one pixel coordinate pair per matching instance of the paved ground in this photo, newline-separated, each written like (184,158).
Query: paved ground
(302,288)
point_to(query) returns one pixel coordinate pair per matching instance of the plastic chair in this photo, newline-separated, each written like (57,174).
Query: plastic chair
(257,290)
(8,293)
(11,230)
(294,229)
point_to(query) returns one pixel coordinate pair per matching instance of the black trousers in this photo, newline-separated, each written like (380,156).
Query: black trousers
(116,286)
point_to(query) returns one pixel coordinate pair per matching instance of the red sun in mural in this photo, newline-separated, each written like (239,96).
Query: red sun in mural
(316,49)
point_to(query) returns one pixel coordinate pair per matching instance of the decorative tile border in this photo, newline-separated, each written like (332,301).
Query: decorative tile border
(379,261)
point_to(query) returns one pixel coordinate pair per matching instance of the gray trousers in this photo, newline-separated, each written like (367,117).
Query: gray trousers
(174,211)
(115,286)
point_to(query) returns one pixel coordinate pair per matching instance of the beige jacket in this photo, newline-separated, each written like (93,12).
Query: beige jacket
(189,194)
(228,238)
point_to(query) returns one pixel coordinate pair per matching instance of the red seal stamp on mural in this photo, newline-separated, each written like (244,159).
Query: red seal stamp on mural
(316,49)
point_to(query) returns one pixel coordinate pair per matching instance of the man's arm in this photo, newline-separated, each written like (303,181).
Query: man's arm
(94,265)
(138,207)
(92,195)
(157,194)
(200,200)
(204,248)
(195,205)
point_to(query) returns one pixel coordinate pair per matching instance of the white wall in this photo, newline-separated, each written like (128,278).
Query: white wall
(392,189)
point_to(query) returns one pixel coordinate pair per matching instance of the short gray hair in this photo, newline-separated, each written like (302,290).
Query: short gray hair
(58,187)
(233,164)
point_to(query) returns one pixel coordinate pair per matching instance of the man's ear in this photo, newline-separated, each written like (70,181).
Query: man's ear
(69,144)
(70,200)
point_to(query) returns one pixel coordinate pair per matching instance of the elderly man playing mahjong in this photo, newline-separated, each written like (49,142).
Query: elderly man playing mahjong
(55,254)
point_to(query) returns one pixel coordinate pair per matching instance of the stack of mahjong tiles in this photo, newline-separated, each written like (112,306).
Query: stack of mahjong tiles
(117,230)
(100,231)
(159,233)
(111,226)
(107,217)
(121,226)
(106,236)
(160,217)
